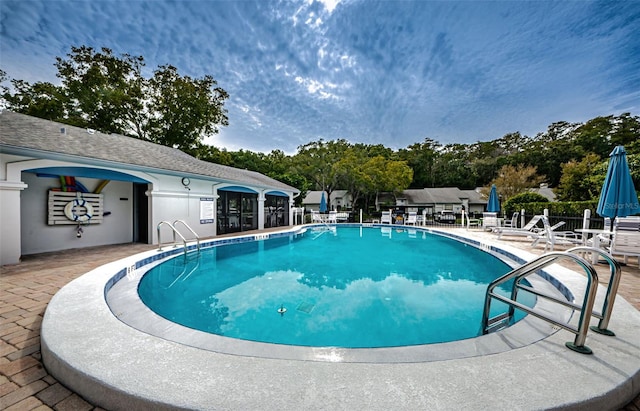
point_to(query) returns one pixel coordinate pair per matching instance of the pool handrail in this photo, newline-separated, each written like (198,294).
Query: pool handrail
(175,231)
(612,288)
(195,235)
(531,267)
(607,307)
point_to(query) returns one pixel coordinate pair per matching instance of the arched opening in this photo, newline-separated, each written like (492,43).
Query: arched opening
(237,209)
(276,209)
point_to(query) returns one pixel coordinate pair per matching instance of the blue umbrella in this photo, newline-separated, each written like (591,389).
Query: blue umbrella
(493,206)
(323,204)
(618,197)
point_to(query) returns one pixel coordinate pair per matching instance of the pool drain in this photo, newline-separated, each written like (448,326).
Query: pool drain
(282,310)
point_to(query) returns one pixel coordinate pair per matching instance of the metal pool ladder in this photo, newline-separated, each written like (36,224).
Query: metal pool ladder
(586,308)
(176,232)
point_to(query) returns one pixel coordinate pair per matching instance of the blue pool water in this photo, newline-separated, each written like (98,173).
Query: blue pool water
(346,287)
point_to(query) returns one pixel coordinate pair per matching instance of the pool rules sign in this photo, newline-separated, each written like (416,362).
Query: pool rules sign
(206,210)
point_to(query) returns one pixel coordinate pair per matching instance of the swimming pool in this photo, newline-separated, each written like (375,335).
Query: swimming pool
(328,286)
(99,340)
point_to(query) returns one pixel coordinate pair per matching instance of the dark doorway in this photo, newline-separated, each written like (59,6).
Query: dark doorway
(276,211)
(237,211)
(140,213)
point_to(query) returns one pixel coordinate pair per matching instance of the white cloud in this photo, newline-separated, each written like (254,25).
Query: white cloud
(329,5)
(373,72)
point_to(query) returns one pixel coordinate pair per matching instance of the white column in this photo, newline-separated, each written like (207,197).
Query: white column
(216,196)
(291,220)
(10,238)
(261,199)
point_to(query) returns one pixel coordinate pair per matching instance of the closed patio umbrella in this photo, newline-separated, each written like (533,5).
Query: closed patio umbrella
(618,197)
(323,204)
(493,206)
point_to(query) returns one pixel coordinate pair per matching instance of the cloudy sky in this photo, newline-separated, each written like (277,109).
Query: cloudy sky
(389,72)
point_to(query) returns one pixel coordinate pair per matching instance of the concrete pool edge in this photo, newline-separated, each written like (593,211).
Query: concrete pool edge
(124,301)
(117,367)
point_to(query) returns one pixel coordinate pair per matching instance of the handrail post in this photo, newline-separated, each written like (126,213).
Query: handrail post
(184,241)
(159,235)
(197,238)
(587,309)
(612,289)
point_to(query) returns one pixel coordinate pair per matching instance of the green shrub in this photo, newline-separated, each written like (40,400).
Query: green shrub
(517,202)
(559,208)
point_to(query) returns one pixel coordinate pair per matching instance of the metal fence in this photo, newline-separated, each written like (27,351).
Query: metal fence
(571,222)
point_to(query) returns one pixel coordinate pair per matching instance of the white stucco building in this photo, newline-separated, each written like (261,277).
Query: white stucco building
(64,187)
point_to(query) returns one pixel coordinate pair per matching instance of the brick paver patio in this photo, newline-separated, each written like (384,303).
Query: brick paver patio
(26,288)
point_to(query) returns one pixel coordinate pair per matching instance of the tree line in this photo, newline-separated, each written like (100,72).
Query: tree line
(109,93)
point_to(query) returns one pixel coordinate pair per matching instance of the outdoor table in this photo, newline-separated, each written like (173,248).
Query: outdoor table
(595,236)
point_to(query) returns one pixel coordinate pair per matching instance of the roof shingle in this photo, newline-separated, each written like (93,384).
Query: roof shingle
(19,132)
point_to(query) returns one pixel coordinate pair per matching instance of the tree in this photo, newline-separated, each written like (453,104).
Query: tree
(453,167)
(103,91)
(316,160)
(108,93)
(41,99)
(582,180)
(547,151)
(351,173)
(387,175)
(515,180)
(184,110)
(626,132)
(421,157)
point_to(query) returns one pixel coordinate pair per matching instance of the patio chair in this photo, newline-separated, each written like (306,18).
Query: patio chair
(490,220)
(412,218)
(513,222)
(528,230)
(471,222)
(342,217)
(315,217)
(386,217)
(552,236)
(333,217)
(626,238)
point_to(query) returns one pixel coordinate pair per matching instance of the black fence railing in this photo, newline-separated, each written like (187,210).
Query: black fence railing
(572,222)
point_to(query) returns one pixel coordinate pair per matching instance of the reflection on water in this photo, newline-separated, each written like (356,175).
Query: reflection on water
(348,288)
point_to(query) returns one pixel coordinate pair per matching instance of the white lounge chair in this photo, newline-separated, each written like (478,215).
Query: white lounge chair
(528,230)
(412,218)
(386,217)
(333,217)
(553,237)
(626,238)
(315,217)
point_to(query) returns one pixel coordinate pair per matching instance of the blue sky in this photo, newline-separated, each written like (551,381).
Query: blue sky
(376,72)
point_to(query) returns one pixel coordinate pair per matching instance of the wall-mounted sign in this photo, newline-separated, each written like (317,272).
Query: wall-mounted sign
(207,205)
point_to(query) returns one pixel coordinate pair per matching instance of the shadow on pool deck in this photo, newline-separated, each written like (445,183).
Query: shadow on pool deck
(26,289)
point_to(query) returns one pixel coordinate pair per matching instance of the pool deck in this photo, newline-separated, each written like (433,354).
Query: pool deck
(27,288)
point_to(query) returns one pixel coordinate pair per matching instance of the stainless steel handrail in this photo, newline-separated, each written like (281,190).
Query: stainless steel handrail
(184,270)
(175,244)
(607,307)
(612,288)
(531,267)
(195,235)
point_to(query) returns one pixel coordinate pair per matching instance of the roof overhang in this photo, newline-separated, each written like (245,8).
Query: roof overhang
(123,167)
